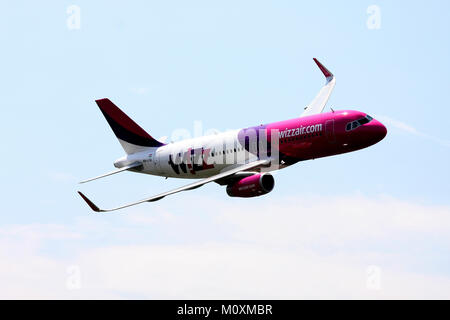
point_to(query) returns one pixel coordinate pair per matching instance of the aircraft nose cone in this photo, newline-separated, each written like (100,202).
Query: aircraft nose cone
(381,130)
(377,130)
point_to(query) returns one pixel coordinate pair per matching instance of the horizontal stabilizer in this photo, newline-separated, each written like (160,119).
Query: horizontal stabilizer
(131,166)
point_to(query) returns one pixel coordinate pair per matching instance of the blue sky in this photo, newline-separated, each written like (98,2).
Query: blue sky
(228,65)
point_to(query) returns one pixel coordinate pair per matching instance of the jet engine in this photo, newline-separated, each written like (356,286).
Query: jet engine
(252,186)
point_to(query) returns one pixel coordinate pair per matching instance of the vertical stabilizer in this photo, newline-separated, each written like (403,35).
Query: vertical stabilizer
(131,136)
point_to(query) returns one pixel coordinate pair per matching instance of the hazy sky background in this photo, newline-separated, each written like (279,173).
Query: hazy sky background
(370,224)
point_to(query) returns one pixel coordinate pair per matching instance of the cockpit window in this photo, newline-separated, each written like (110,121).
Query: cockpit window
(355,124)
(363,121)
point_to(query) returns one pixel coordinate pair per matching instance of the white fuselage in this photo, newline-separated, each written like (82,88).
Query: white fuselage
(192,158)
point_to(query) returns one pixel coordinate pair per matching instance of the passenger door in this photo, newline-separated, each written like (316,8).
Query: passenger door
(329,131)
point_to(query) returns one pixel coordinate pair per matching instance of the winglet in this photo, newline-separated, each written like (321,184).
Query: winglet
(89,202)
(324,70)
(318,104)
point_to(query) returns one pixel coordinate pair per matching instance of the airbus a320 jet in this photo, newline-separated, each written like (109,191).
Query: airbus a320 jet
(241,159)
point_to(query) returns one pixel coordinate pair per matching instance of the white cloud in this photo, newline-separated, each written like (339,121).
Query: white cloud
(249,271)
(411,130)
(331,220)
(303,247)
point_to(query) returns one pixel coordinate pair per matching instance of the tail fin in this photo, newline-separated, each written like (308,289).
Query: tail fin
(131,136)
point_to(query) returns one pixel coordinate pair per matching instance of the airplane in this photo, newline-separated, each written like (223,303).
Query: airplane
(242,160)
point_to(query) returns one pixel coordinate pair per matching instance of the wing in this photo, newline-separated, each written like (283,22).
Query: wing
(131,166)
(252,165)
(319,102)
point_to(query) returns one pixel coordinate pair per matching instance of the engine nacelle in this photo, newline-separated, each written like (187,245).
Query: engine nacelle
(253,186)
